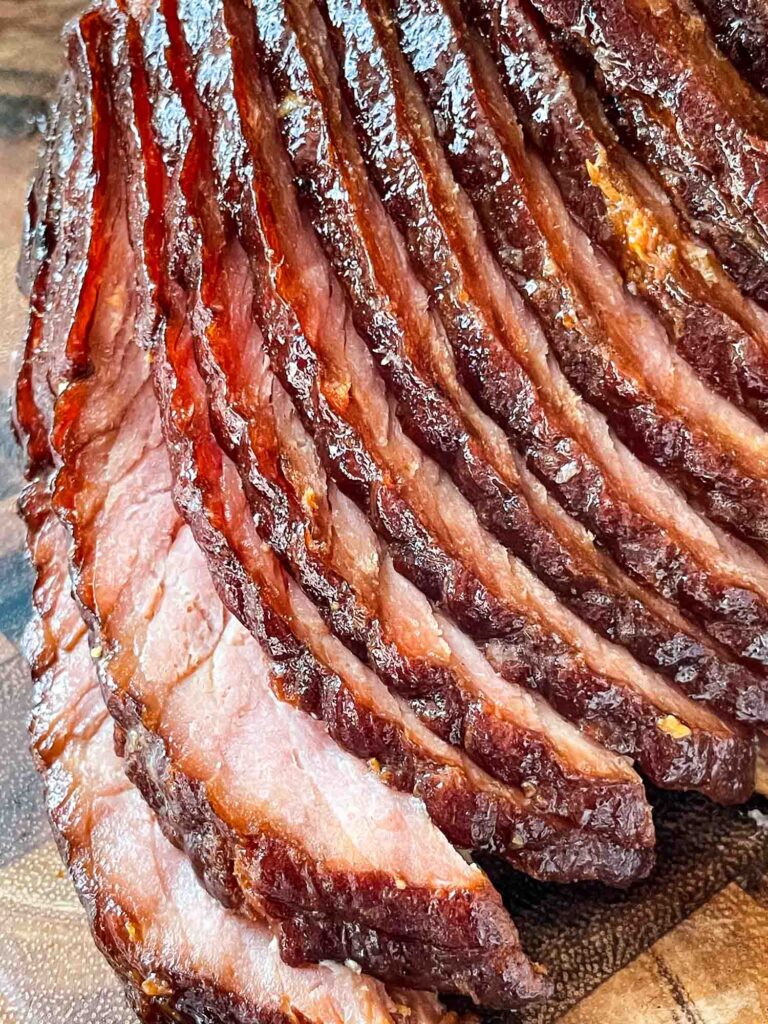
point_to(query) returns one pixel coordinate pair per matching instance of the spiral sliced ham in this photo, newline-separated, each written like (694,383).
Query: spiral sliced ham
(409,481)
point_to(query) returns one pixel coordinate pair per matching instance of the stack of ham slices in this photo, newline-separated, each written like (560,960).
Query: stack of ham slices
(395,410)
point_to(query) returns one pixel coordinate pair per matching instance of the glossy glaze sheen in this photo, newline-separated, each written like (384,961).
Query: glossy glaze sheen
(706,318)
(741,30)
(357,725)
(669,89)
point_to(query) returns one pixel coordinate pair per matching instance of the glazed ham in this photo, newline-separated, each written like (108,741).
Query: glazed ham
(113,489)
(439,546)
(403,509)
(610,349)
(179,954)
(574,778)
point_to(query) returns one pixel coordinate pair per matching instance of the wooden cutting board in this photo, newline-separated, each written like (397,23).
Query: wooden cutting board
(690,946)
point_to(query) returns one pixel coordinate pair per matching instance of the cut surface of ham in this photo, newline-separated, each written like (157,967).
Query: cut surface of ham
(178,952)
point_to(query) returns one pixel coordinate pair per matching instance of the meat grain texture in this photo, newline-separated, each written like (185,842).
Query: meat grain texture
(393,403)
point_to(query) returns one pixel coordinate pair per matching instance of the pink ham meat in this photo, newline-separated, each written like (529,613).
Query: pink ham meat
(689,115)
(612,351)
(323,678)
(720,333)
(291,827)
(504,361)
(180,955)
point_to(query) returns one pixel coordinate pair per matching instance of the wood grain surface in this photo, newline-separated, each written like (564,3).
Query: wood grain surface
(690,946)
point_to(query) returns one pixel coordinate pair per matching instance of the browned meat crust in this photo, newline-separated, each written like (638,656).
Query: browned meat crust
(741,30)
(534,246)
(202,190)
(669,88)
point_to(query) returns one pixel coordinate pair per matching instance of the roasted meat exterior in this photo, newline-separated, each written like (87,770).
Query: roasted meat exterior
(180,954)
(399,506)
(688,114)
(390,309)
(321,905)
(722,334)
(741,30)
(328,681)
(63,227)
(601,335)
(580,638)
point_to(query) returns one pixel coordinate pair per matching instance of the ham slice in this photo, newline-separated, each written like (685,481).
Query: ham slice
(58,230)
(178,952)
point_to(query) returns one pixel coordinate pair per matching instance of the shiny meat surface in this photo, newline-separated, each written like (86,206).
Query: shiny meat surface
(393,399)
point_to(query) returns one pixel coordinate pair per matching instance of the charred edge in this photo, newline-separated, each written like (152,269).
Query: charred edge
(722,766)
